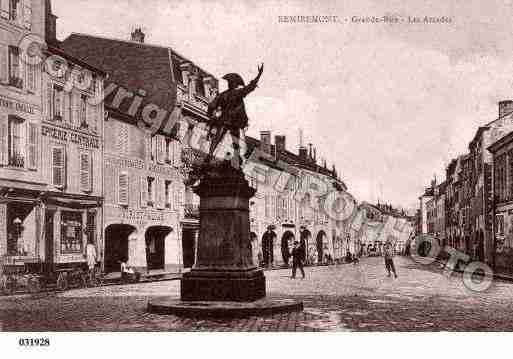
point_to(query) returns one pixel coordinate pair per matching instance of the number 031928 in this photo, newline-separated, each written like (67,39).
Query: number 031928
(34,342)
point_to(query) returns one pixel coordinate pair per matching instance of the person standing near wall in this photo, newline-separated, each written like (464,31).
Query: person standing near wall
(297,260)
(389,258)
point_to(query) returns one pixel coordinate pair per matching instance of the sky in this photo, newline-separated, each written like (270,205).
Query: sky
(389,104)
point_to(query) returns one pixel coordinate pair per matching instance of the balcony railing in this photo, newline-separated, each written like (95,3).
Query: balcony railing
(16,160)
(191,211)
(16,82)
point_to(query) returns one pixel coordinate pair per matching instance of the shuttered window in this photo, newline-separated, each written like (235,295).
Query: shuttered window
(151,190)
(123,138)
(4,144)
(85,172)
(169,151)
(32,142)
(177,153)
(58,166)
(160,148)
(144,192)
(14,10)
(123,188)
(167,194)
(27,14)
(15,67)
(57,102)
(82,106)
(31,76)
(159,192)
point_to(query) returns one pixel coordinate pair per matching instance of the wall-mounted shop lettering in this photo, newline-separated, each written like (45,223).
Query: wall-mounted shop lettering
(67,136)
(17,106)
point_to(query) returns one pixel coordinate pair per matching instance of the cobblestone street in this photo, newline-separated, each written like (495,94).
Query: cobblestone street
(340,297)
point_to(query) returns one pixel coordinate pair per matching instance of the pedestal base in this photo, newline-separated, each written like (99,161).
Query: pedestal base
(223,286)
(260,307)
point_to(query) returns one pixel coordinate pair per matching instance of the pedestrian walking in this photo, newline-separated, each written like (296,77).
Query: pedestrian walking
(297,260)
(91,257)
(389,258)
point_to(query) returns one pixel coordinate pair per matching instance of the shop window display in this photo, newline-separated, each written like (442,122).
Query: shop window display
(71,233)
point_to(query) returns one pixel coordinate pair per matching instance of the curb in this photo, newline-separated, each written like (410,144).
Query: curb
(458,270)
(107,283)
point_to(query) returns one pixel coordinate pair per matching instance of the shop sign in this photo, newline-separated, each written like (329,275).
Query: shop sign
(17,106)
(68,136)
(141,216)
(162,170)
(124,162)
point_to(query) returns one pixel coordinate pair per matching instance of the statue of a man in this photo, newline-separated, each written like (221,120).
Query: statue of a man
(227,112)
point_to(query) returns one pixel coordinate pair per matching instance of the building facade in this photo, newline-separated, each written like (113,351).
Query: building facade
(50,144)
(288,204)
(151,217)
(502,164)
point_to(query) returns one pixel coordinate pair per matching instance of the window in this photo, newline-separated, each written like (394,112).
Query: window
(267,206)
(499,225)
(169,151)
(82,114)
(177,153)
(158,147)
(200,87)
(153,149)
(91,227)
(122,138)
(27,14)
(16,142)
(167,193)
(58,166)
(57,102)
(14,8)
(500,177)
(14,67)
(150,190)
(31,77)
(71,232)
(123,189)
(32,150)
(85,172)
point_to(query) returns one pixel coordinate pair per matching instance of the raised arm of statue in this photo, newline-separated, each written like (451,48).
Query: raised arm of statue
(243,92)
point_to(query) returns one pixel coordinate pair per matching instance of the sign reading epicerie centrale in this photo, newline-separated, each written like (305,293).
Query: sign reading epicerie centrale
(64,135)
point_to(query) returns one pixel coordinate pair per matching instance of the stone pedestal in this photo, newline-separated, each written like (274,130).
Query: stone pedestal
(224,282)
(224,268)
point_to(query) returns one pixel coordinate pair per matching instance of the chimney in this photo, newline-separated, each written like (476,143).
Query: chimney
(137,35)
(279,143)
(310,153)
(505,107)
(303,154)
(265,141)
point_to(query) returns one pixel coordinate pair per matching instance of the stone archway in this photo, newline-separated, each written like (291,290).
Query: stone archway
(286,241)
(319,245)
(268,247)
(155,240)
(116,245)
(305,240)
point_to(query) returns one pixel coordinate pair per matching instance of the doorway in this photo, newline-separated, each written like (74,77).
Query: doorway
(188,246)
(156,246)
(116,245)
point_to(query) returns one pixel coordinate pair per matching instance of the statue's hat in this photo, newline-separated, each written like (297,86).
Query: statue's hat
(234,79)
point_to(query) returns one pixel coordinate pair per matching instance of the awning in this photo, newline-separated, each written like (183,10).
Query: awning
(73,203)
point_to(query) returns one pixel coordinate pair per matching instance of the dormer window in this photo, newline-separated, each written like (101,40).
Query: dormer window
(185,69)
